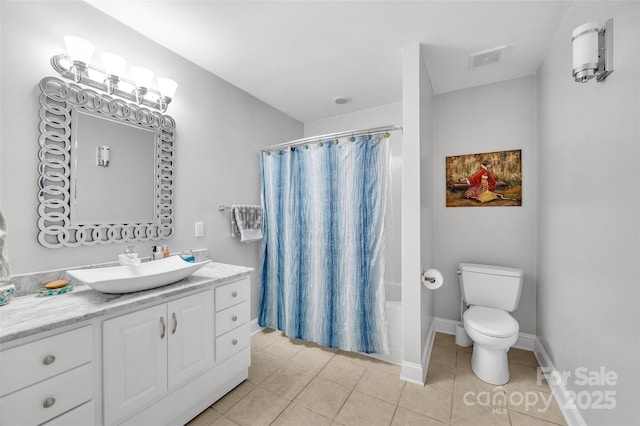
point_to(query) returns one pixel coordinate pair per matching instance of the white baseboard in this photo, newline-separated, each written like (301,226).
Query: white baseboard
(562,396)
(411,372)
(254,327)
(417,373)
(446,326)
(525,341)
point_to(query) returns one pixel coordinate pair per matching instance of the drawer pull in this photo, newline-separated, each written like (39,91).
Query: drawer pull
(234,318)
(49,402)
(164,328)
(234,294)
(49,359)
(234,342)
(175,323)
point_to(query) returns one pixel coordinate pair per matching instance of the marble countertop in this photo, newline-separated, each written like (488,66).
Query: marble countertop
(31,314)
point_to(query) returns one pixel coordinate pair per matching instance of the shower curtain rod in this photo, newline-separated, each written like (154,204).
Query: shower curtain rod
(320,138)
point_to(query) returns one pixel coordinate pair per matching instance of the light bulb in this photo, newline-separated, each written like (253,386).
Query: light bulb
(141,76)
(113,64)
(79,49)
(167,87)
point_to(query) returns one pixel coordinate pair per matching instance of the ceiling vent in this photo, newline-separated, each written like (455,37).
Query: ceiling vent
(486,57)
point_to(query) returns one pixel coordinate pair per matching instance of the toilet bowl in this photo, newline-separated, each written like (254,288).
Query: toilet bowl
(493,332)
(491,293)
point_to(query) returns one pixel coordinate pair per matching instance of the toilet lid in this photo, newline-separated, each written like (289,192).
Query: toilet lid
(491,322)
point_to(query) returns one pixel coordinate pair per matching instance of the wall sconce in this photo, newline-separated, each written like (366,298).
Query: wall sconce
(592,52)
(76,66)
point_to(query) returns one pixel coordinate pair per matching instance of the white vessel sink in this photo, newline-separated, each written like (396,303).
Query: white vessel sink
(130,278)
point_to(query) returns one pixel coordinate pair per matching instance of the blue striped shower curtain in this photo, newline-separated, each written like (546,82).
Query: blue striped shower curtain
(323,246)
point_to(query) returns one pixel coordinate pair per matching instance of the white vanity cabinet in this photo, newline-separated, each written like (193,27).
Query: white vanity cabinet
(155,357)
(50,378)
(154,350)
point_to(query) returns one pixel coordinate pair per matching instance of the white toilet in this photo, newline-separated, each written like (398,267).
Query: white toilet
(492,292)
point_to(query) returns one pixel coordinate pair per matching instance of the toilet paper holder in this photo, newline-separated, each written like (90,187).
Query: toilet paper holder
(430,279)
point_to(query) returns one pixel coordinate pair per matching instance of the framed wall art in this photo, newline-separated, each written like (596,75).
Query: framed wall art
(486,179)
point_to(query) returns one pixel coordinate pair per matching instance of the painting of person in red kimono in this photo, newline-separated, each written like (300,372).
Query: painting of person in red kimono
(484,179)
(481,181)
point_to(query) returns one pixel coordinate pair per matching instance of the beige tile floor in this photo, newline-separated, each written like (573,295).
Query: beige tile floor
(300,383)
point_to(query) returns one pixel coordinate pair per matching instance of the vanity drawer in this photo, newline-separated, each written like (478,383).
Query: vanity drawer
(232,342)
(232,317)
(232,294)
(84,415)
(45,400)
(30,363)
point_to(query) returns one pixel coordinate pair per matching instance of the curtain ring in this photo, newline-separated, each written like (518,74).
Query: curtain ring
(368,137)
(320,144)
(268,152)
(353,138)
(386,135)
(335,141)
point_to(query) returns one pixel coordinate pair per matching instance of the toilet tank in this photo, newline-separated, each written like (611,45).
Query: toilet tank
(496,287)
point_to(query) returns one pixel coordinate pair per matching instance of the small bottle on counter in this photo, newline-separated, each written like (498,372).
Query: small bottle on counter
(187,256)
(165,251)
(156,253)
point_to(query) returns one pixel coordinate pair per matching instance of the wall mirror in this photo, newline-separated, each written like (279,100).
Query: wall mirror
(106,169)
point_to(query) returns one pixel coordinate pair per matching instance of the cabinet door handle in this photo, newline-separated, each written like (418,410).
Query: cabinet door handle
(48,360)
(175,323)
(234,342)
(49,402)
(234,318)
(234,294)
(164,327)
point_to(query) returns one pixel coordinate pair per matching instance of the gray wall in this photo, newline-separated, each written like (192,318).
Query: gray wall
(219,132)
(494,117)
(589,232)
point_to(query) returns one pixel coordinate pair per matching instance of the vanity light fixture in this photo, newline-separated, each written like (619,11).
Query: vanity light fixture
(80,51)
(167,90)
(592,52)
(75,65)
(142,77)
(113,67)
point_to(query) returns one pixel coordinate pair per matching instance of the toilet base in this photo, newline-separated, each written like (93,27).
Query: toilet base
(490,365)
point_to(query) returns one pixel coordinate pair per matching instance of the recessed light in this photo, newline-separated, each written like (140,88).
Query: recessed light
(341,100)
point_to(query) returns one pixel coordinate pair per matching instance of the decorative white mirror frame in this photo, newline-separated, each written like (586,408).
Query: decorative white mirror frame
(57,101)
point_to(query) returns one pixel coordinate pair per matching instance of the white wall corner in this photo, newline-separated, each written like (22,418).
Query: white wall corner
(563,398)
(417,373)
